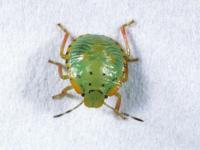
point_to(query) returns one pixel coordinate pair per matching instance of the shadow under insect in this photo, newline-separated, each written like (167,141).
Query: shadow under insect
(134,91)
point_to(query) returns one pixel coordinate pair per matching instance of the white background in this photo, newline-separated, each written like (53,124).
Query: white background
(163,87)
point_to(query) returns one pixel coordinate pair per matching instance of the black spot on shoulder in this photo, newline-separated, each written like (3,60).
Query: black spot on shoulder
(91,72)
(102,85)
(90,84)
(103,74)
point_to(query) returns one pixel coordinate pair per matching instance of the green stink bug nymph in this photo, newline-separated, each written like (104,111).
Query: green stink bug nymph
(96,66)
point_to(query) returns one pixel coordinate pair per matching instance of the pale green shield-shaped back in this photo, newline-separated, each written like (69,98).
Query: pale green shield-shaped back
(96,65)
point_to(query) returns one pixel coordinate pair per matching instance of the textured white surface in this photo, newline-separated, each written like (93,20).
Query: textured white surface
(163,87)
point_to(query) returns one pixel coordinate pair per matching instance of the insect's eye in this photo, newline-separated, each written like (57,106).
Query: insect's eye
(106,96)
(91,72)
(102,85)
(104,74)
(83,94)
(90,84)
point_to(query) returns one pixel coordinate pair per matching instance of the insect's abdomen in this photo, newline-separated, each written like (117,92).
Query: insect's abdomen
(96,62)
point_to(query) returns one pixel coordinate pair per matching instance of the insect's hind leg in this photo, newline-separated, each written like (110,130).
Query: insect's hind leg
(62,47)
(118,103)
(60,69)
(63,92)
(124,35)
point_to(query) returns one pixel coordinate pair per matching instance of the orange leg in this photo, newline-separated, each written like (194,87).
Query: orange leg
(116,111)
(124,35)
(125,72)
(63,92)
(60,69)
(62,47)
(118,103)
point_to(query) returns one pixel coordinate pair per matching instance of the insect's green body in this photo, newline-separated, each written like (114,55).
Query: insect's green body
(96,67)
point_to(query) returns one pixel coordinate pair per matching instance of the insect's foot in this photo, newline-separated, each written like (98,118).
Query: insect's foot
(129,23)
(52,62)
(120,114)
(62,27)
(55,97)
(123,117)
(133,59)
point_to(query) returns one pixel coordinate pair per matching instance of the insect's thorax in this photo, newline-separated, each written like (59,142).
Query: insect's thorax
(96,63)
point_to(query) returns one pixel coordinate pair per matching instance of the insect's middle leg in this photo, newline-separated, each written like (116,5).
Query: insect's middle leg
(60,69)
(63,92)
(124,35)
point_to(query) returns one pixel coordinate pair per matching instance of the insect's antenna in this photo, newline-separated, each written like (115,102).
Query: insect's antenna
(138,119)
(68,111)
(122,114)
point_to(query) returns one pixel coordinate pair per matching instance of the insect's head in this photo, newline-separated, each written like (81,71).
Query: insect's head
(94,98)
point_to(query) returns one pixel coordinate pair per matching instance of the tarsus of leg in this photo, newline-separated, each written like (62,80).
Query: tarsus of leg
(60,69)
(63,92)
(122,114)
(68,111)
(63,28)
(56,63)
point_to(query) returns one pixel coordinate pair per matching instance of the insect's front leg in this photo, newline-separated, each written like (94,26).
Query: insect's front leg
(131,59)
(63,92)
(62,47)
(60,69)
(124,35)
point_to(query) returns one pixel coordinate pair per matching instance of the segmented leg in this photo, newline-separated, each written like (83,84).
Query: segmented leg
(117,106)
(125,75)
(118,103)
(127,52)
(116,112)
(62,48)
(124,35)
(60,69)
(63,92)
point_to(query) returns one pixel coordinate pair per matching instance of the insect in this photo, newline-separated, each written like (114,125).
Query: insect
(96,66)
